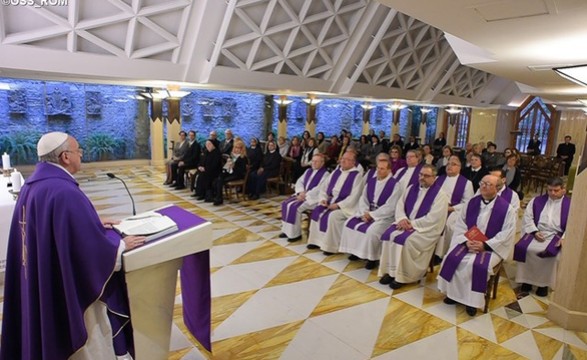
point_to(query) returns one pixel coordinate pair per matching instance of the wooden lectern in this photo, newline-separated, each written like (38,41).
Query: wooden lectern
(151,278)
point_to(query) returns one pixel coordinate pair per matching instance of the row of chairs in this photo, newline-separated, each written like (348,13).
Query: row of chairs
(536,170)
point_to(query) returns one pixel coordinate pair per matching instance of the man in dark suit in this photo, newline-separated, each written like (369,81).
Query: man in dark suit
(534,146)
(226,145)
(566,152)
(475,172)
(190,161)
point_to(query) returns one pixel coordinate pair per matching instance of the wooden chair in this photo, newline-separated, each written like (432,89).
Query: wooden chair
(232,186)
(283,178)
(492,285)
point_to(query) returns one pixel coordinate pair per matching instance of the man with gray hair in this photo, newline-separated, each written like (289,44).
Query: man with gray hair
(63,268)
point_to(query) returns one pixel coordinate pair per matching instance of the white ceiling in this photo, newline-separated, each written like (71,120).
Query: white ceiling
(355,48)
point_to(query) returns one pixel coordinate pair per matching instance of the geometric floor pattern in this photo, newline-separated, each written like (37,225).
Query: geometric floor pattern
(276,300)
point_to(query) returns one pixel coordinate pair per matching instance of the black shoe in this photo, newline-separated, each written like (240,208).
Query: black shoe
(386,279)
(353,257)
(194,195)
(327,253)
(200,198)
(449,301)
(471,310)
(542,291)
(179,187)
(395,285)
(282,235)
(294,239)
(526,287)
(437,260)
(167,183)
(209,200)
(218,202)
(254,197)
(371,264)
(312,246)
(171,184)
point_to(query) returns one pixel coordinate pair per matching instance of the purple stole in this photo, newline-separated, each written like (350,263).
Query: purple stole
(481,263)
(507,194)
(290,206)
(424,208)
(385,194)
(414,178)
(458,191)
(551,250)
(321,213)
(370,173)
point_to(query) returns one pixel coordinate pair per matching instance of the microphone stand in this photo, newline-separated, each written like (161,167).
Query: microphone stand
(112,176)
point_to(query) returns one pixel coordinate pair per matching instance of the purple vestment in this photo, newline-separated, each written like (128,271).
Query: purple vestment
(414,178)
(373,205)
(459,189)
(321,213)
(60,262)
(290,206)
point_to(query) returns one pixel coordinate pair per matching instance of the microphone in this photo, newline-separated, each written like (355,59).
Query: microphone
(112,176)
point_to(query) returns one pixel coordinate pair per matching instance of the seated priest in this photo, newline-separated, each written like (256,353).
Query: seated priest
(190,160)
(503,191)
(376,212)
(307,189)
(407,176)
(64,294)
(482,238)
(459,191)
(409,243)
(337,201)
(543,226)
(235,168)
(208,170)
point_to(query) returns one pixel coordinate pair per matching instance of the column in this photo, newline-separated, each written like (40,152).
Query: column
(311,116)
(568,306)
(451,131)
(282,125)
(157,145)
(366,118)
(395,123)
(423,126)
(173,124)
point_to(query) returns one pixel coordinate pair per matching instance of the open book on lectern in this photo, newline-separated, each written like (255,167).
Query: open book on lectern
(150,224)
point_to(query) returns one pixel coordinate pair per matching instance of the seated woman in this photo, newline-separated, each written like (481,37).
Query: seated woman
(180,149)
(234,169)
(208,171)
(395,153)
(255,154)
(441,163)
(512,172)
(305,160)
(427,156)
(269,168)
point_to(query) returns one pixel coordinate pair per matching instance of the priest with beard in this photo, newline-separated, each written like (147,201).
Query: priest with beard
(409,243)
(64,296)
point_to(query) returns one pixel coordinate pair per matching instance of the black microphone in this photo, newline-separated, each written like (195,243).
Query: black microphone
(112,176)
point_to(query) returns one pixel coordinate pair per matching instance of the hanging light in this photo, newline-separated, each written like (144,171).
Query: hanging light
(367,106)
(425,110)
(396,106)
(576,73)
(312,101)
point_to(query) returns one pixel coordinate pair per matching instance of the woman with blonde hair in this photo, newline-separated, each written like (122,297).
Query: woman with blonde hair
(235,168)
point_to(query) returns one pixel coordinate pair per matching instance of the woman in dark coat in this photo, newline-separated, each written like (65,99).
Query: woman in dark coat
(269,169)
(208,171)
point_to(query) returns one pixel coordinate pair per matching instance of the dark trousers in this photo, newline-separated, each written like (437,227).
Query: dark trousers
(257,183)
(218,184)
(181,175)
(204,186)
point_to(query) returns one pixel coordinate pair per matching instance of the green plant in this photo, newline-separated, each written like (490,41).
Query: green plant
(21,146)
(99,146)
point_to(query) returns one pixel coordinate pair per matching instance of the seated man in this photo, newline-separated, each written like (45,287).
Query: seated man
(409,175)
(544,223)
(269,168)
(409,243)
(307,189)
(459,191)
(190,160)
(376,212)
(476,171)
(180,149)
(503,191)
(482,238)
(338,200)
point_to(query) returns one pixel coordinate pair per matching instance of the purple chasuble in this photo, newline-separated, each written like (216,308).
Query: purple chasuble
(321,213)
(551,250)
(383,197)
(458,191)
(481,263)
(59,262)
(424,209)
(290,206)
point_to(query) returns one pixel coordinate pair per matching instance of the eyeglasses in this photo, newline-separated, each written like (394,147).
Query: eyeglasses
(80,151)
(425,175)
(487,184)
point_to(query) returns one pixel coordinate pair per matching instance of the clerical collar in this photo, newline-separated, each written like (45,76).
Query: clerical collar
(477,169)
(61,167)
(487,202)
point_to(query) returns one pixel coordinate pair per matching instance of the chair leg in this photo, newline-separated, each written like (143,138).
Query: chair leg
(495,283)
(488,292)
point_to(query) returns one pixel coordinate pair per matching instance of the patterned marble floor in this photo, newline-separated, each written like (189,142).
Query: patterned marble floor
(276,300)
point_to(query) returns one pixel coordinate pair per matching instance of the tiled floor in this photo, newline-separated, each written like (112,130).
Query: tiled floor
(273,299)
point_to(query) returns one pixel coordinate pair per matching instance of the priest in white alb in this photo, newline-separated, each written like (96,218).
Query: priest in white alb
(543,226)
(337,202)
(407,176)
(307,189)
(482,238)
(459,191)
(361,236)
(409,243)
